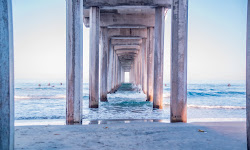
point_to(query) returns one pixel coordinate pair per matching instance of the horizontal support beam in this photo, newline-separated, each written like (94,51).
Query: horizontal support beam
(127,33)
(124,47)
(127,27)
(126,42)
(116,20)
(126,20)
(127,37)
(114,3)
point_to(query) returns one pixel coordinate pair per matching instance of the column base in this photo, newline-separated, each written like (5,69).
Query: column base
(150,98)
(178,119)
(73,123)
(157,106)
(103,99)
(93,106)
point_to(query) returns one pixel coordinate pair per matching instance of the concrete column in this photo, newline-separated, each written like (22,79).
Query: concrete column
(248,77)
(74,61)
(110,62)
(104,66)
(116,72)
(119,74)
(144,65)
(137,70)
(150,64)
(6,76)
(140,67)
(158,57)
(122,75)
(113,72)
(131,73)
(94,57)
(178,99)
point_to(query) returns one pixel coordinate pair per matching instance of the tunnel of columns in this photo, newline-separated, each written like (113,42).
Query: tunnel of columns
(126,37)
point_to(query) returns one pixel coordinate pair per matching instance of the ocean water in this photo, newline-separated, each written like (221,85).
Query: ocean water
(206,101)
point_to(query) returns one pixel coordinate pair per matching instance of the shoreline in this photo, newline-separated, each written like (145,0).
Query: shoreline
(113,121)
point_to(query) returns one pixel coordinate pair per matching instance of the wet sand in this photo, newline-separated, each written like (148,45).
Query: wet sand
(134,136)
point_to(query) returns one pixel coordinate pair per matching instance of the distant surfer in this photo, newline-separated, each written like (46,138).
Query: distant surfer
(49,84)
(165,84)
(229,85)
(39,85)
(60,83)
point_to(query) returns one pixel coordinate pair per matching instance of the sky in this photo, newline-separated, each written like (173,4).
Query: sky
(216,40)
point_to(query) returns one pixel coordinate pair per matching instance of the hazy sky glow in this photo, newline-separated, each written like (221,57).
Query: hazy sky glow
(216,42)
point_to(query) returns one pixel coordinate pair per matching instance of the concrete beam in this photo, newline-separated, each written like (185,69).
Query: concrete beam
(127,42)
(113,3)
(117,47)
(178,99)
(158,57)
(126,20)
(6,76)
(94,57)
(74,62)
(248,77)
(127,26)
(133,33)
(126,37)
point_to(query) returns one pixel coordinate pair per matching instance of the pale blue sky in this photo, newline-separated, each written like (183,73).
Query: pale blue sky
(216,42)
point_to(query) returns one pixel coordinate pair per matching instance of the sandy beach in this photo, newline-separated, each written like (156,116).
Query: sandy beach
(133,136)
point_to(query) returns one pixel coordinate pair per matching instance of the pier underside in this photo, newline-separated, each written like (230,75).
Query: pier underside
(127,36)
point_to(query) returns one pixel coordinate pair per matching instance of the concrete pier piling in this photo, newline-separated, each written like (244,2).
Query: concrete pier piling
(6,76)
(110,66)
(158,56)
(74,62)
(150,64)
(178,98)
(94,57)
(104,64)
(144,65)
(248,77)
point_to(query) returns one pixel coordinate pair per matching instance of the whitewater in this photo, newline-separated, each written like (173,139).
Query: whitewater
(206,101)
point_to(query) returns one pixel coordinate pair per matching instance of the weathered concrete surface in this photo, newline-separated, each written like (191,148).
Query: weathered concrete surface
(158,57)
(113,3)
(127,33)
(134,135)
(108,19)
(117,47)
(74,62)
(110,66)
(248,77)
(150,64)
(6,76)
(126,42)
(104,64)
(94,57)
(144,65)
(178,98)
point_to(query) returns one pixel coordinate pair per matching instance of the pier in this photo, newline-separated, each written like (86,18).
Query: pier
(125,36)
(131,39)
